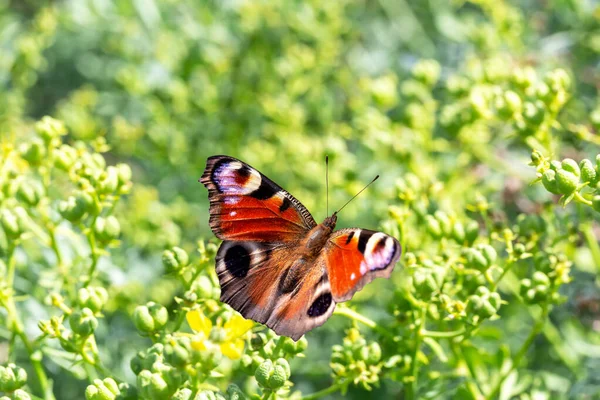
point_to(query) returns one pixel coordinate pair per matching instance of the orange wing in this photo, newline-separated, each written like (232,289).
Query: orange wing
(246,205)
(354,257)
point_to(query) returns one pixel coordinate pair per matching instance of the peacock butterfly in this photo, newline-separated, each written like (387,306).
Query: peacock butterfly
(276,266)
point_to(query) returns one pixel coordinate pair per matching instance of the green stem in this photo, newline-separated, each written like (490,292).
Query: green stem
(537,328)
(442,335)
(321,393)
(349,313)
(93,253)
(19,330)
(411,384)
(578,197)
(592,243)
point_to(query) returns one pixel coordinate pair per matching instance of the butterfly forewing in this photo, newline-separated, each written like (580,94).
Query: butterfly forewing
(246,205)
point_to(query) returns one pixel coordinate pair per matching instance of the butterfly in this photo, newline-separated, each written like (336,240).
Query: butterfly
(276,265)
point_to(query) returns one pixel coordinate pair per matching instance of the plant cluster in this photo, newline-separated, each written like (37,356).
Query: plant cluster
(490,179)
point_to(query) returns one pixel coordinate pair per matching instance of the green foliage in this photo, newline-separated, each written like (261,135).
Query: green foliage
(481,117)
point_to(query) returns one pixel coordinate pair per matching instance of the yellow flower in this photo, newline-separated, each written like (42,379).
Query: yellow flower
(232,343)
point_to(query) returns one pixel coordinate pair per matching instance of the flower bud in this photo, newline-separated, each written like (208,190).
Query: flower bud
(204,289)
(458,232)
(549,181)
(107,229)
(234,392)
(175,259)
(534,113)
(106,389)
(152,386)
(264,372)
(183,394)
(10,224)
(30,192)
(588,172)
(471,231)
(178,351)
(566,181)
(151,317)
(427,72)
(49,128)
(33,152)
(513,102)
(433,227)
(83,322)
(281,373)
(124,174)
(64,157)
(20,394)
(12,378)
(109,180)
(92,297)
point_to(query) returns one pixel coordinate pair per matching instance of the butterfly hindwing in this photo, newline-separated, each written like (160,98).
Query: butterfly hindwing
(246,205)
(266,283)
(354,257)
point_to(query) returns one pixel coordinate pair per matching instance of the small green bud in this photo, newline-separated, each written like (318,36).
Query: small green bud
(571,166)
(280,375)
(534,113)
(30,192)
(64,157)
(513,102)
(566,181)
(264,372)
(549,181)
(152,386)
(106,389)
(93,297)
(49,128)
(107,229)
(151,317)
(124,174)
(427,71)
(588,172)
(83,322)
(235,393)
(10,224)
(109,180)
(204,288)
(183,394)
(458,232)
(536,158)
(175,259)
(558,80)
(471,231)
(178,351)
(20,394)
(489,253)
(12,378)
(434,227)
(34,152)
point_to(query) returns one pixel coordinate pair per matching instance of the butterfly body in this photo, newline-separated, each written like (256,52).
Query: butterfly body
(276,265)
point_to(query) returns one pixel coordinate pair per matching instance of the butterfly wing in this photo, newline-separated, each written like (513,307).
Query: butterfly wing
(267,283)
(246,205)
(354,257)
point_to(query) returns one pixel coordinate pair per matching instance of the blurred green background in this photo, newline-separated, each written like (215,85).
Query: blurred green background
(385,87)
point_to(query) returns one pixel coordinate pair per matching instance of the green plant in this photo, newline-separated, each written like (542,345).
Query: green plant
(488,179)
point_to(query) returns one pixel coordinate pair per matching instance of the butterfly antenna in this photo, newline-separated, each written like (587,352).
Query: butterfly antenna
(353,197)
(327,180)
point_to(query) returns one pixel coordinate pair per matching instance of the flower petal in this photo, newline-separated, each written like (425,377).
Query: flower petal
(237,326)
(233,349)
(199,322)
